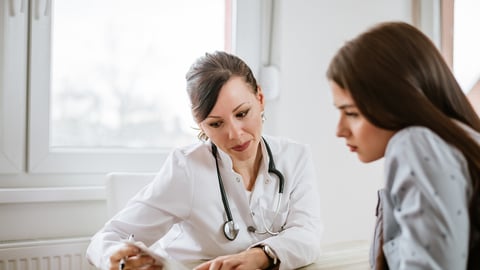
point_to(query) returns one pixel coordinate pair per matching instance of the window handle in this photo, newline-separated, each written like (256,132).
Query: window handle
(43,8)
(14,10)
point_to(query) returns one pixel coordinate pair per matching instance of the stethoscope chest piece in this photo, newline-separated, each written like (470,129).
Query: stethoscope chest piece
(230,229)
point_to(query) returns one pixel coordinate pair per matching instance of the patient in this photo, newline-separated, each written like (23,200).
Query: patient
(399,100)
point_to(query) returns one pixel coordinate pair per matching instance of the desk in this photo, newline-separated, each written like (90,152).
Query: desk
(352,255)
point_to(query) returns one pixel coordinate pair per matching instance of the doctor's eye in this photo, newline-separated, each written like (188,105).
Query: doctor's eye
(242,114)
(215,124)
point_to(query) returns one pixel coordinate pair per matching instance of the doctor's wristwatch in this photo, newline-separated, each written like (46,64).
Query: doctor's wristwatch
(272,257)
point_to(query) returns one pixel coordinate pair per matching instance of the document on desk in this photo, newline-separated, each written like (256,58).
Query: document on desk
(168,263)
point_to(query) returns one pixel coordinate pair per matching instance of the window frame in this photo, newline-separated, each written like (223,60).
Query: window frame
(246,42)
(13,85)
(446,21)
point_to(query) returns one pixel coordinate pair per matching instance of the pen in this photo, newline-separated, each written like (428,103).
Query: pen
(122,261)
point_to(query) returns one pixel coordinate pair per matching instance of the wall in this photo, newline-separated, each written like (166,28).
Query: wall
(308,32)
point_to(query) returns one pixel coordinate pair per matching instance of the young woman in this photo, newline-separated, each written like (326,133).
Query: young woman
(236,200)
(399,100)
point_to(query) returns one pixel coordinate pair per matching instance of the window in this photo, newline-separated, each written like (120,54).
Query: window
(99,97)
(466,43)
(460,45)
(118,70)
(460,42)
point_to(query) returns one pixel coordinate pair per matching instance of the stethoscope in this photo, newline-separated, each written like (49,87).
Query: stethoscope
(230,228)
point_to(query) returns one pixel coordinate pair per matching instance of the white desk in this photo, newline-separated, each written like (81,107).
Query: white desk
(345,256)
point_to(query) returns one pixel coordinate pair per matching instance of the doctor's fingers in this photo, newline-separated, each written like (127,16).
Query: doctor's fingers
(140,261)
(123,253)
(229,262)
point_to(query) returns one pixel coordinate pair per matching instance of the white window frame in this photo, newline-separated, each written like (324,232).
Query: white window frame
(13,85)
(426,16)
(446,20)
(43,159)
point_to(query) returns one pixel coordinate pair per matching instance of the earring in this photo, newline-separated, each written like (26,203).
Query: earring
(262,114)
(201,135)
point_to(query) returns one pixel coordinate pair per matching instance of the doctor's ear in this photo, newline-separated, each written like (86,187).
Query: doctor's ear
(260,96)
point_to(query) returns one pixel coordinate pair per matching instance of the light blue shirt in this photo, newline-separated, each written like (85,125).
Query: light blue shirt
(425,202)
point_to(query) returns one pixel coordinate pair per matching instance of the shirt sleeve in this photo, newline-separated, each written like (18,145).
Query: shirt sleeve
(427,186)
(149,214)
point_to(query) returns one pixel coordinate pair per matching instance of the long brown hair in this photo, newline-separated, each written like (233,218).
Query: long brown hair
(398,78)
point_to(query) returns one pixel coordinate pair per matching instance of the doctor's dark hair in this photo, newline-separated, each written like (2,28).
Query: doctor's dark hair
(397,78)
(207,76)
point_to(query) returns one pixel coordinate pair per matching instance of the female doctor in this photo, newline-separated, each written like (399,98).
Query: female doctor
(234,200)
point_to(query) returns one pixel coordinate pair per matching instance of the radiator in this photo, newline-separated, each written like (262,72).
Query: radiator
(59,254)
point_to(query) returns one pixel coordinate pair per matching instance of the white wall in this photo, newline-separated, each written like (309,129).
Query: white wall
(308,34)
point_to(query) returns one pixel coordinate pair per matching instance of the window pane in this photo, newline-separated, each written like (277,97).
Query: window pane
(466,43)
(118,72)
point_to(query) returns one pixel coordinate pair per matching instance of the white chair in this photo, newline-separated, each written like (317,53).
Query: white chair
(121,186)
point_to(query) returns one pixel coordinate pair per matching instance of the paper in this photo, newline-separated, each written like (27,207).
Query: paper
(168,264)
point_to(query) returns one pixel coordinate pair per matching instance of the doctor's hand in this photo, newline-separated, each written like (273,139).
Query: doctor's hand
(250,259)
(132,258)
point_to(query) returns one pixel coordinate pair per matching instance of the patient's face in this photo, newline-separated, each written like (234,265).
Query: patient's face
(235,122)
(361,136)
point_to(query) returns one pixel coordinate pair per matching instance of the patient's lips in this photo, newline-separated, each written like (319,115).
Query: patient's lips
(352,148)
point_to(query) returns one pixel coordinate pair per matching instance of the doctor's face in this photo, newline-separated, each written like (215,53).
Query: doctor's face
(235,122)
(361,136)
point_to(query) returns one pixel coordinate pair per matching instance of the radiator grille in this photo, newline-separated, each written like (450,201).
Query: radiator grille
(64,254)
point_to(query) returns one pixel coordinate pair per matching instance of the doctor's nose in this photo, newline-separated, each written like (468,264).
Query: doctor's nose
(235,130)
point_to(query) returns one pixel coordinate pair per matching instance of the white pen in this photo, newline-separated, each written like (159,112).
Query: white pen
(122,261)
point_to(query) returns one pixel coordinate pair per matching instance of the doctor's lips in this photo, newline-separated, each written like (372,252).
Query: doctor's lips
(241,147)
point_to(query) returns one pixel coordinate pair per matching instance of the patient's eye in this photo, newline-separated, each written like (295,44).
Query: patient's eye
(351,114)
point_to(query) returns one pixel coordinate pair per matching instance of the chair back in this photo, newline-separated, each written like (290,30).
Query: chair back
(120,187)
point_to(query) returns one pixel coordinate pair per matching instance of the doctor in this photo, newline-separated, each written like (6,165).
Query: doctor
(235,200)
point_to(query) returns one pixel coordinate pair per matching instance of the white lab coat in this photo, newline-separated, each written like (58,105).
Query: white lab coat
(181,212)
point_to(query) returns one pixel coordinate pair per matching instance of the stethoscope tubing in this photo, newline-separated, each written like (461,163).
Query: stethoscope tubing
(230,228)
(220,184)
(273,169)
